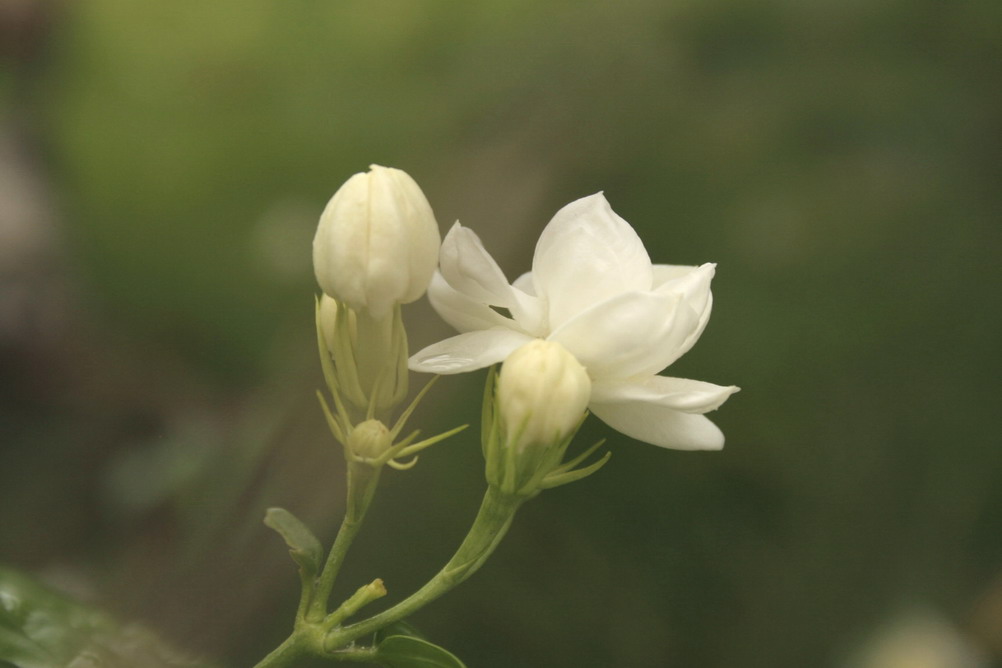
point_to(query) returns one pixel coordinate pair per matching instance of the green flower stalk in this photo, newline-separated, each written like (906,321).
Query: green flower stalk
(497,511)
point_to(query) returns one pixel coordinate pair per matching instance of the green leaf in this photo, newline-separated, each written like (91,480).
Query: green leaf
(401,628)
(21,650)
(42,629)
(303,545)
(405,651)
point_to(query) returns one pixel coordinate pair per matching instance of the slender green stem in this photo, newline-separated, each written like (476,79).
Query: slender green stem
(495,517)
(286,654)
(362,482)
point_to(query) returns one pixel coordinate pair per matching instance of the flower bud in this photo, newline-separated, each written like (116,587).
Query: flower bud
(369,440)
(377,242)
(542,394)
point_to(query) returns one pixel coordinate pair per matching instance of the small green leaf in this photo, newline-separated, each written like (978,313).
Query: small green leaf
(400,651)
(303,545)
(401,628)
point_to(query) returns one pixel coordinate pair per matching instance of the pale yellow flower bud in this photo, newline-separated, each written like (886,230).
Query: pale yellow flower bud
(542,394)
(377,242)
(369,440)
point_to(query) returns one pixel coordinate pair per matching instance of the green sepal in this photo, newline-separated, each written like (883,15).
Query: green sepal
(326,363)
(332,422)
(558,479)
(408,651)
(304,547)
(489,428)
(570,464)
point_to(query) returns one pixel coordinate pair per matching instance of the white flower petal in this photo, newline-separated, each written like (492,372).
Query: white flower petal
(680,394)
(341,251)
(633,334)
(469,268)
(693,283)
(468,352)
(530,314)
(668,272)
(421,237)
(662,426)
(529,310)
(587,254)
(696,331)
(525,284)
(463,313)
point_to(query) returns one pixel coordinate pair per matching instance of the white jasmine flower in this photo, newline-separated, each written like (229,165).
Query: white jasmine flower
(592,289)
(377,242)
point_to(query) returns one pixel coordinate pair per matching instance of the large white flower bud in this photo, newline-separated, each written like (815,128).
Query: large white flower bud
(377,242)
(542,394)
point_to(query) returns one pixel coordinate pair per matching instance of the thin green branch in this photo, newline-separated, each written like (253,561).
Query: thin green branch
(362,482)
(491,524)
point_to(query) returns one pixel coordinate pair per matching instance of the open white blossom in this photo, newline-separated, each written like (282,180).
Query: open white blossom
(592,289)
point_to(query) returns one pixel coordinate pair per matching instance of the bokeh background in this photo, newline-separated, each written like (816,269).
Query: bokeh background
(162,168)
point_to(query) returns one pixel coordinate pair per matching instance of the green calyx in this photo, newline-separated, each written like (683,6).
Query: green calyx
(366,382)
(364,359)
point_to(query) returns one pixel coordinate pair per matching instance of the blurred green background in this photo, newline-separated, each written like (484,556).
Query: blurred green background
(162,168)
